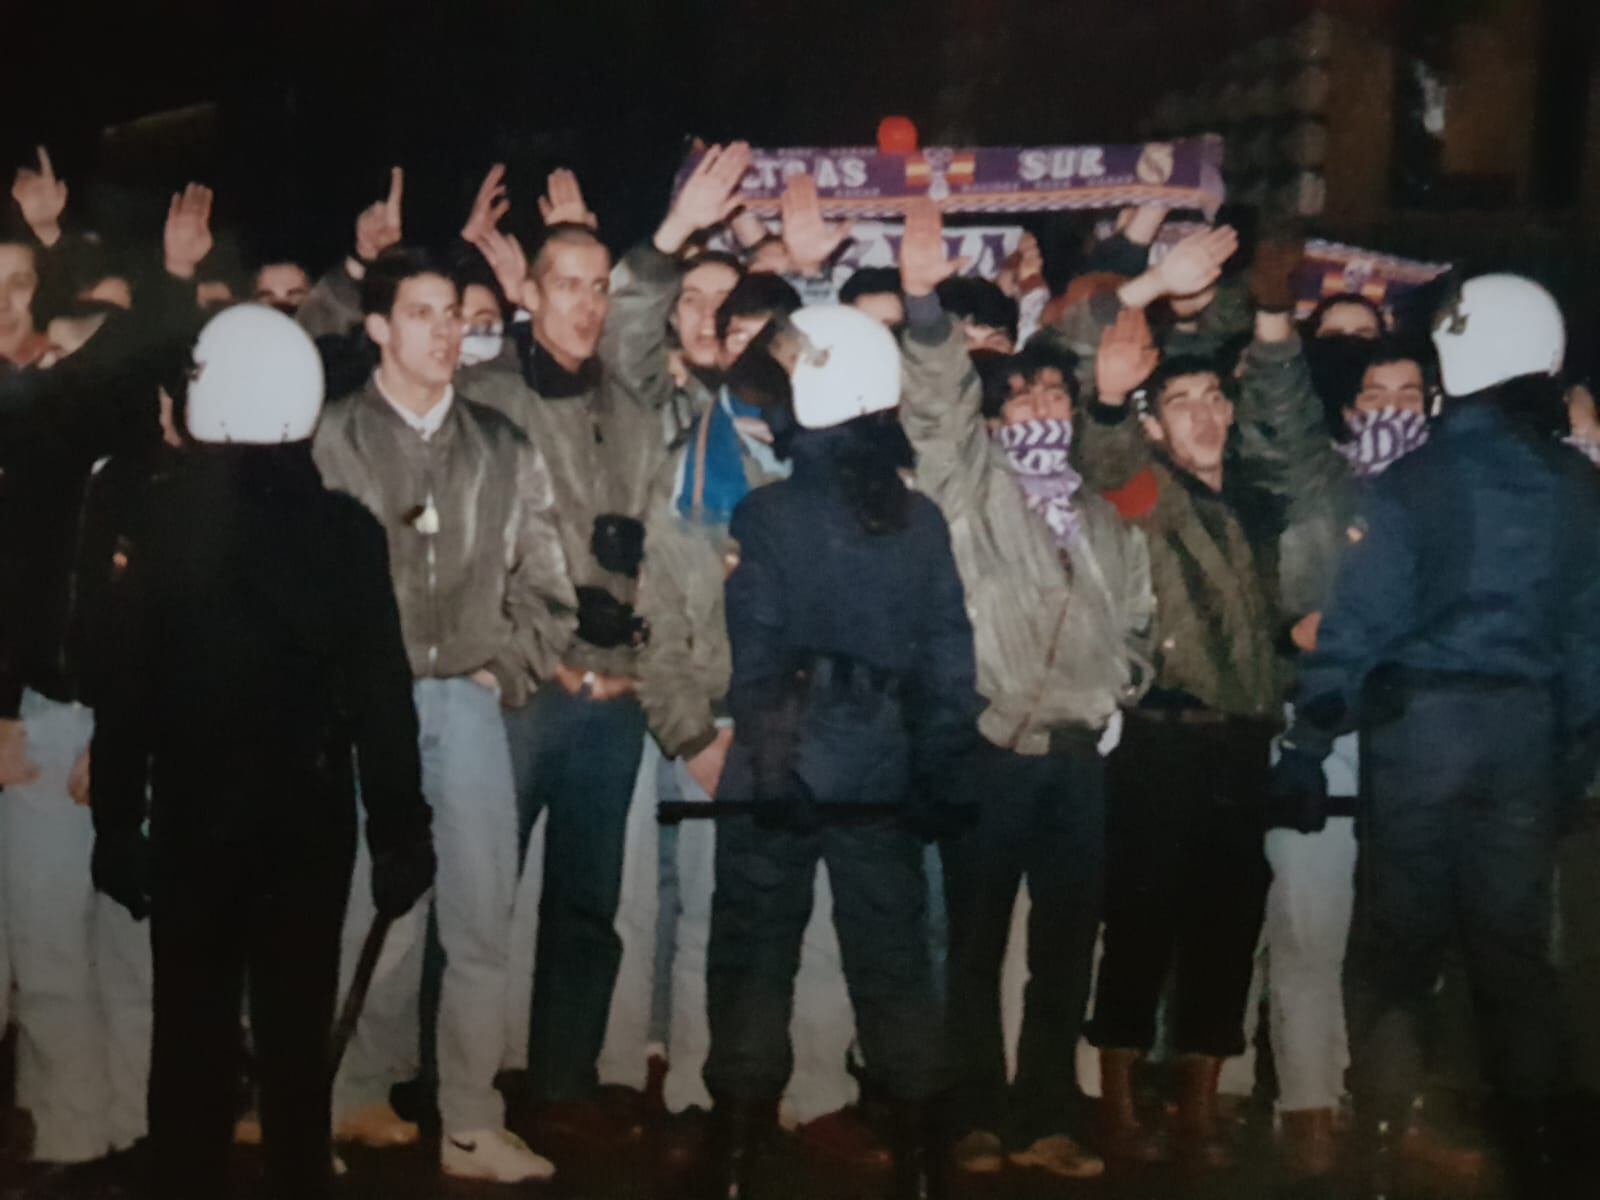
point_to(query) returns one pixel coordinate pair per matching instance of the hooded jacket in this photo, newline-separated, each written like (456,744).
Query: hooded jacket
(1057,647)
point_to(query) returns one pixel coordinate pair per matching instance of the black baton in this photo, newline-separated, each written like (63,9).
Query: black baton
(360,982)
(675,812)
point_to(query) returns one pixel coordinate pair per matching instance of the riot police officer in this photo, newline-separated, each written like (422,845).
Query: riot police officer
(1464,641)
(261,648)
(853,677)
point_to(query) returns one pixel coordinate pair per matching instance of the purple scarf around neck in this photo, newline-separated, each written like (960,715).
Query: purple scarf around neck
(1039,456)
(1381,438)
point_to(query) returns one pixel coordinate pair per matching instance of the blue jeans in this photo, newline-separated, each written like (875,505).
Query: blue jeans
(673,784)
(577,759)
(466,778)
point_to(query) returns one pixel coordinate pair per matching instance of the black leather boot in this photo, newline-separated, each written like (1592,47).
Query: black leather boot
(1376,1163)
(739,1130)
(920,1143)
(1531,1153)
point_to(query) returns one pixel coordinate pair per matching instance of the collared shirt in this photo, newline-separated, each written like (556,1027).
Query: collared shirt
(430,422)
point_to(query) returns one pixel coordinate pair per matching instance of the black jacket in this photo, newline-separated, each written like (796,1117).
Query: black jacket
(883,614)
(260,644)
(56,424)
(1475,557)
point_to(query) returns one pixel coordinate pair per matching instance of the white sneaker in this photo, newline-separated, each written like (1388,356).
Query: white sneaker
(494,1155)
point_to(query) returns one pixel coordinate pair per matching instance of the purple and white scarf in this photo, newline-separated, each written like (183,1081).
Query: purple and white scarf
(1039,455)
(1380,438)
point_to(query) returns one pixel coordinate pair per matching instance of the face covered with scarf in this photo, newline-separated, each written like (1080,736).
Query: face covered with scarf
(1035,431)
(1388,419)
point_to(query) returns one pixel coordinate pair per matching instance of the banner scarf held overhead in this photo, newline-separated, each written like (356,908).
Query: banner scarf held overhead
(865,182)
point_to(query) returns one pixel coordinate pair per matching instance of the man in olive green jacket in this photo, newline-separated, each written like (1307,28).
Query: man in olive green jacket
(1058,589)
(1187,876)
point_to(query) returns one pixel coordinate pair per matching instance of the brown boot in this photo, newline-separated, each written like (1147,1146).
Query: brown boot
(1121,1134)
(1432,1162)
(1199,1136)
(1309,1147)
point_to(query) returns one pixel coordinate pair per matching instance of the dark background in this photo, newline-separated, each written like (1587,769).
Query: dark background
(315,100)
(294,109)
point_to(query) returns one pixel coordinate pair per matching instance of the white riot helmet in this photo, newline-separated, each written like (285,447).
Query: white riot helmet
(258,379)
(1500,327)
(848,366)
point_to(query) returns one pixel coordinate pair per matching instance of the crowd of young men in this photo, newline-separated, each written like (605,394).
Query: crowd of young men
(865,568)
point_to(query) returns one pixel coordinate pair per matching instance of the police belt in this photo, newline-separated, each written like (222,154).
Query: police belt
(1422,679)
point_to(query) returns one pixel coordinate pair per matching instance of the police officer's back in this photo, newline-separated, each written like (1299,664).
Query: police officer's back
(853,671)
(262,651)
(1464,640)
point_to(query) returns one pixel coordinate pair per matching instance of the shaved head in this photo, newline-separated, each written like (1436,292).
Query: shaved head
(563,235)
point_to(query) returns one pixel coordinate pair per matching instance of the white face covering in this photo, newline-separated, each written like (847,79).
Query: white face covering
(479,346)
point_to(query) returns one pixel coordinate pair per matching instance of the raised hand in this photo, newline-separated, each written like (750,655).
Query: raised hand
(489,207)
(924,261)
(42,198)
(1195,263)
(562,203)
(378,227)
(187,238)
(509,262)
(1126,357)
(708,197)
(810,240)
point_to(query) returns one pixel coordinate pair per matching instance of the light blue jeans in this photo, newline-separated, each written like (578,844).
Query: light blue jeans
(466,778)
(81,964)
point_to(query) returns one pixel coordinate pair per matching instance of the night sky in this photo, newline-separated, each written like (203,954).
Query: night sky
(317,98)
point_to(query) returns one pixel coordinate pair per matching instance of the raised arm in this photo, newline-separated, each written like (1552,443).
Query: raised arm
(941,403)
(334,306)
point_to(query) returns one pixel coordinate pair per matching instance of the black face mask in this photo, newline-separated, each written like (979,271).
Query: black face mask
(757,376)
(711,378)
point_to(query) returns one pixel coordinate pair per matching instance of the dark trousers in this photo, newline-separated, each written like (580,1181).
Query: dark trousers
(1042,817)
(1580,945)
(1186,883)
(218,919)
(1458,841)
(576,759)
(764,882)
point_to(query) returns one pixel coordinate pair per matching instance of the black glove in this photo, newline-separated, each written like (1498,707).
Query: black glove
(120,867)
(618,544)
(402,875)
(605,621)
(1297,797)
